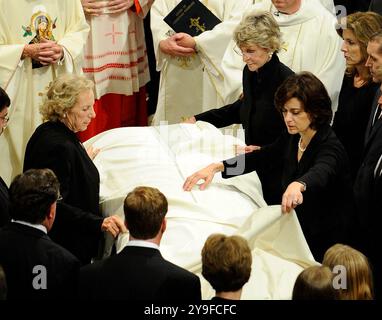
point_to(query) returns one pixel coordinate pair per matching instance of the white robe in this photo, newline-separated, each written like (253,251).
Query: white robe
(310,43)
(25,85)
(191,85)
(115,53)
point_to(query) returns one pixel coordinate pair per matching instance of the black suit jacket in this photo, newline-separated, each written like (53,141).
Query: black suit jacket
(4,203)
(366,184)
(78,220)
(138,273)
(327,210)
(256,110)
(376,6)
(21,249)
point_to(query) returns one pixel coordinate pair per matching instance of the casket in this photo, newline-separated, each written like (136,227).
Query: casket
(163,157)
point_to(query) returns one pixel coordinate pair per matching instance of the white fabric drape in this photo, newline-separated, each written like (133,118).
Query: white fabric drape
(163,157)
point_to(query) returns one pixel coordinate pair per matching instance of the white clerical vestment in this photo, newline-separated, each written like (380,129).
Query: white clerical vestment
(115,54)
(19,24)
(310,43)
(191,85)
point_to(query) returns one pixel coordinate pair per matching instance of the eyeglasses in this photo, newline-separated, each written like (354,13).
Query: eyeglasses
(5,119)
(247,52)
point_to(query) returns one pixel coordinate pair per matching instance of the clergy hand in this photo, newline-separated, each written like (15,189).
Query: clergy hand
(115,6)
(205,174)
(185,40)
(113,225)
(171,47)
(94,7)
(92,152)
(52,54)
(292,197)
(46,52)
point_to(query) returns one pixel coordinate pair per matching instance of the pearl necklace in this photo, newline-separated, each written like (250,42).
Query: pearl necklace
(299,145)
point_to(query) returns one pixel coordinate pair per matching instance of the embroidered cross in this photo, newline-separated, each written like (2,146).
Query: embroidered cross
(113,33)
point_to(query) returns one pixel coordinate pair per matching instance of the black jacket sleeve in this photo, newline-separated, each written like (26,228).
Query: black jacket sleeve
(223,116)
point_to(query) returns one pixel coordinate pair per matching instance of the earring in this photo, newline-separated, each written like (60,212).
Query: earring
(270,55)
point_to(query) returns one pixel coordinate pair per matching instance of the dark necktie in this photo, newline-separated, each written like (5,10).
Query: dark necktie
(377,115)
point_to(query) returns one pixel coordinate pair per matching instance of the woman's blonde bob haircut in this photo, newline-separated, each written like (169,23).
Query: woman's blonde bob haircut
(358,272)
(62,95)
(258,28)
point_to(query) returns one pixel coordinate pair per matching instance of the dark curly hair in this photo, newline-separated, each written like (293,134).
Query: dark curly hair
(4,99)
(32,193)
(311,92)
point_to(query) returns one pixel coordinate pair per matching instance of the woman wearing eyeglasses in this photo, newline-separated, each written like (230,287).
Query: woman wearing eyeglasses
(258,39)
(4,196)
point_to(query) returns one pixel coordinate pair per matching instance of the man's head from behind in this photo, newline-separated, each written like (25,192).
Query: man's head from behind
(33,196)
(226,262)
(145,209)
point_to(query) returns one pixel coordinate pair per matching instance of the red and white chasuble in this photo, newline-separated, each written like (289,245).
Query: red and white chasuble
(115,59)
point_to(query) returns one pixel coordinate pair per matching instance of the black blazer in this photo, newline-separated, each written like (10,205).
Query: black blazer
(256,110)
(78,220)
(138,273)
(351,118)
(21,249)
(327,209)
(4,203)
(376,6)
(365,186)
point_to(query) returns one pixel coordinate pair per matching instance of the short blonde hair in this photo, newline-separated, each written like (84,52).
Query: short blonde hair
(258,28)
(226,262)
(359,275)
(62,95)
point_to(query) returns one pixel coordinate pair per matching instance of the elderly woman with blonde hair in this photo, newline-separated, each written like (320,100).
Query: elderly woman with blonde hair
(67,109)
(359,278)
(258,39)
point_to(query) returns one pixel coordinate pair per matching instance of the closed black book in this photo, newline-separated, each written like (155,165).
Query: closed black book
(192,17)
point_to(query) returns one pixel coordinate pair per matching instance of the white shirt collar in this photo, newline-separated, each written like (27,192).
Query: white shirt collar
(36,226)
(142,243)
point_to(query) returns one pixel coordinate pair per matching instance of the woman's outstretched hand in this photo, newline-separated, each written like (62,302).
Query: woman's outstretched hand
(205,174)
(292,197)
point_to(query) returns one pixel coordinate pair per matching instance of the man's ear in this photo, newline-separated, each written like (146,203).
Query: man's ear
(164,225)
(51,216)
(52,211)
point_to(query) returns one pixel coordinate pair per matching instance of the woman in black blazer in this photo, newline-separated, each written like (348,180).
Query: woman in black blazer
(314,167)
(358,89)
(258,39)
(4,194)
(67,109)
